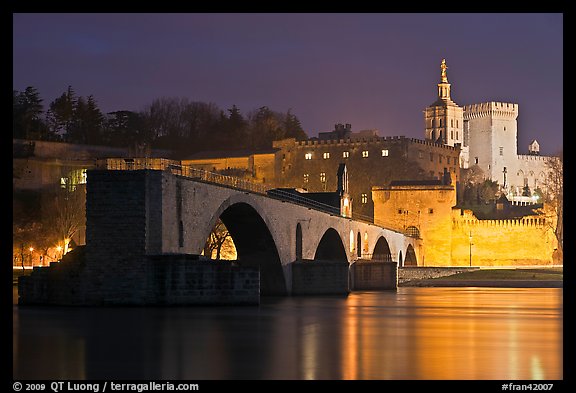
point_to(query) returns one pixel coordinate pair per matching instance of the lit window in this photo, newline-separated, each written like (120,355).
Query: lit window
(365,153)
(306,177)
(364,198)
(308,156)
(385,153)
(345,154)
(323,177)
(326,155)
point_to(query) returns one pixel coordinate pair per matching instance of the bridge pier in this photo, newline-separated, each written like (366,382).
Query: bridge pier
(320,277)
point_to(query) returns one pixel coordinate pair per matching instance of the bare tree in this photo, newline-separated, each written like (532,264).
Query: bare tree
(216,240)
(554,197)
(66,212)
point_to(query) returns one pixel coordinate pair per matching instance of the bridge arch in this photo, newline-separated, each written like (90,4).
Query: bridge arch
(331,247)
(410,259)
(382,250)
(254,242)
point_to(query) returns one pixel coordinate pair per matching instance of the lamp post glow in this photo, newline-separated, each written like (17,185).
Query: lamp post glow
(31,261)
(470,238)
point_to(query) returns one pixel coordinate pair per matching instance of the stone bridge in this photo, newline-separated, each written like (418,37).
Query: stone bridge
(131,214)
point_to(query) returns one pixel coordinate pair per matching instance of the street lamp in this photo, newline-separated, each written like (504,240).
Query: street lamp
(31,260)
(470,238)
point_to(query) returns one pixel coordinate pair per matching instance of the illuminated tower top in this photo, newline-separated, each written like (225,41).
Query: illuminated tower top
(444,67)
(444,86)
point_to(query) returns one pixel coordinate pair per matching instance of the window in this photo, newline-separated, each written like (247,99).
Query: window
(452,124)
(399,211)
(365,153)
(326,155)
(308,156)
(364,199)
(504,128)
(323,177)
(440,122)
(440,158)
(384,152)
(475,160)
(456,131)
(447,159)
(456,127)
(501,149)
(345,154)
(306,177)
(420,154)
(430,211)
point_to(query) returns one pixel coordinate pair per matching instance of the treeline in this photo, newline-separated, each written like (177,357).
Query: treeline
(177,124)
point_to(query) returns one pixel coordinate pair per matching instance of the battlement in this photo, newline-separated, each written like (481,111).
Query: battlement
(532,157)
(492,108)
(434,144)
(349,141)
(356,142)
(468,219)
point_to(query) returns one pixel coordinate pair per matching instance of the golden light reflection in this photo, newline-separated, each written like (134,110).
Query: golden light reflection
(484,333)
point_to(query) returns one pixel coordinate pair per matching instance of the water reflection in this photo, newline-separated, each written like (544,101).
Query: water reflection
(414,333)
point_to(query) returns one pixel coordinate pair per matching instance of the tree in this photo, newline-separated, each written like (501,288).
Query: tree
(87,122)
(65,212)
(60,115)
(554,197)
(125,128)
(216,240)
(27,108)
(293,128)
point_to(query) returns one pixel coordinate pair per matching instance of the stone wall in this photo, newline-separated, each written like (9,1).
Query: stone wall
(370,275)
(528,240)
(179,280)
(315,277)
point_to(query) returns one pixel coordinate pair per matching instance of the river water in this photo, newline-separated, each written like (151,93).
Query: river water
(408,334)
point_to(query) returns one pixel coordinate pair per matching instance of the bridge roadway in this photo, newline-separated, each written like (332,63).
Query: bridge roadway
(181,208)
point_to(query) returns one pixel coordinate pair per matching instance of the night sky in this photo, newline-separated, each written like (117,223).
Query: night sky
(370,70)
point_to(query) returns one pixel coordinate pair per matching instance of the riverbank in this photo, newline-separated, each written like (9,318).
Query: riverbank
(530,277)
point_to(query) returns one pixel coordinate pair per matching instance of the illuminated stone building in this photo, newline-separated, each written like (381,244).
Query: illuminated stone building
(455,237)
(487,134)
(422,209)
(374,161)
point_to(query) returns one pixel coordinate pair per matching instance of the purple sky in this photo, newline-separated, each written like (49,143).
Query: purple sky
(370,70)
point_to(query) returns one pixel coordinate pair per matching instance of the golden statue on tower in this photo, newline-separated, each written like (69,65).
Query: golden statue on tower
(444,67)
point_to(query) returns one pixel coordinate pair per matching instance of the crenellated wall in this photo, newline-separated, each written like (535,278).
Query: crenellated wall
(528,240)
